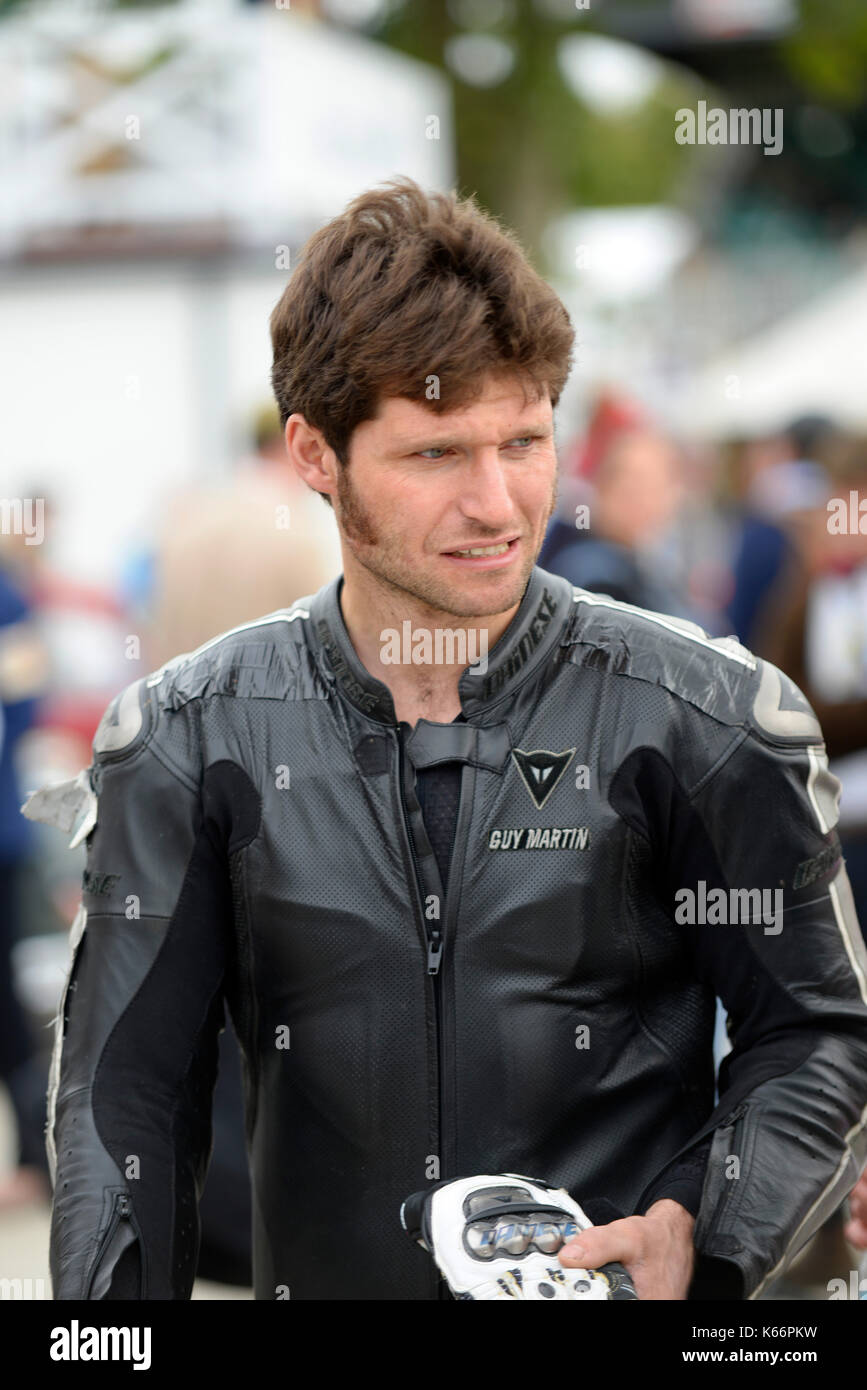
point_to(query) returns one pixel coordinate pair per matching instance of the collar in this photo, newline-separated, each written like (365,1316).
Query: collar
(525,645)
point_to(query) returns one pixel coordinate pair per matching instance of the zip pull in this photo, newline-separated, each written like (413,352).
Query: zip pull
(124,1205)
(434,953)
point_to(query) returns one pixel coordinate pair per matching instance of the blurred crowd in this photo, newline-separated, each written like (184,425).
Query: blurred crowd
(764,538)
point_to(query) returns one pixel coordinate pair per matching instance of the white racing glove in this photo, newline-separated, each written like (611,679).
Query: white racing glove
(497,1236)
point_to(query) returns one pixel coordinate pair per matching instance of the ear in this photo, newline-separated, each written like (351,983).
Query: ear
(314,461)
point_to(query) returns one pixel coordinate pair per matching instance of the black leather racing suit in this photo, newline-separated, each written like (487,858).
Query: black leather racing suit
(259,840)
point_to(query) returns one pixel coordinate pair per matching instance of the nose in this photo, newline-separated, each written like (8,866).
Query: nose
(485,496)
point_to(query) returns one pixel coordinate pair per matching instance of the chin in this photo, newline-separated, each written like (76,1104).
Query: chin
(480,595)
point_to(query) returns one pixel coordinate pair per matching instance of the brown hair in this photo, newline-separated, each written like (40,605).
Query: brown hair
(402,286)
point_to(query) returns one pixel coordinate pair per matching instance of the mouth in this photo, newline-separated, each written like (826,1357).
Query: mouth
(485,556)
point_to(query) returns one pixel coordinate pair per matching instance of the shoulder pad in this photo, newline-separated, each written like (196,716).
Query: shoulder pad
(781,711)
(126,722)
(124,726)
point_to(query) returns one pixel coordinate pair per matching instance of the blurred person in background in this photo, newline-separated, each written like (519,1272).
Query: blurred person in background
(775,479)
(627,476)
(227,554)
(81,624)
(23,671)
(815,628)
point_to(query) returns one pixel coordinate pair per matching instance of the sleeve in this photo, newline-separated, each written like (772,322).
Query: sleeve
(755,878)
(129,1134)
(684,1180)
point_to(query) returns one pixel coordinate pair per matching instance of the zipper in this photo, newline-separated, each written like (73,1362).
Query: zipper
(121,1211)
(436,934)
(460,840)
(434,942)
(431,933)
(727,1120)
(434,951)
(734,1123)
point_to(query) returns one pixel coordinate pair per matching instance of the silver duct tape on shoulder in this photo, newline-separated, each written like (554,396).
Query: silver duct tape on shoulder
(62,804)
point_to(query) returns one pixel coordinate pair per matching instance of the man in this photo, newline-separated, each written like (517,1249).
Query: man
(428,834)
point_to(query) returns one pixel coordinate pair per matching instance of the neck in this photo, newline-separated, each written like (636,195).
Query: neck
(418,651)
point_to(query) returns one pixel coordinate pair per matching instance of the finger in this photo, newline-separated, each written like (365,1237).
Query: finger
(856,1233)
(599,1245)
(858,1197)
(858,1211)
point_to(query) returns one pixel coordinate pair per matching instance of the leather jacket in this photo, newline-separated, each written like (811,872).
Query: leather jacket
(255,841)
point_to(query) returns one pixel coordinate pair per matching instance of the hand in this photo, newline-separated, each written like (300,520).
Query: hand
(656,1249)
(855,1230)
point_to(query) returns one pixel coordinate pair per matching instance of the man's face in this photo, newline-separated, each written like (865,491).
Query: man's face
(421,487)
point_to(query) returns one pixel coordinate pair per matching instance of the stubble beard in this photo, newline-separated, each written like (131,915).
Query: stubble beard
(380,556)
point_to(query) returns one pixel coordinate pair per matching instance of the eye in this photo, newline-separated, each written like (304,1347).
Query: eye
(434,454)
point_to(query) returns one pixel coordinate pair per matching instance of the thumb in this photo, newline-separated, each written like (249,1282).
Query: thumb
(597,1246)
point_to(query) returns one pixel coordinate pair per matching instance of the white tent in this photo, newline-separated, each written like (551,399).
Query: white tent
(255,121)
(815,360)
(160,170)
